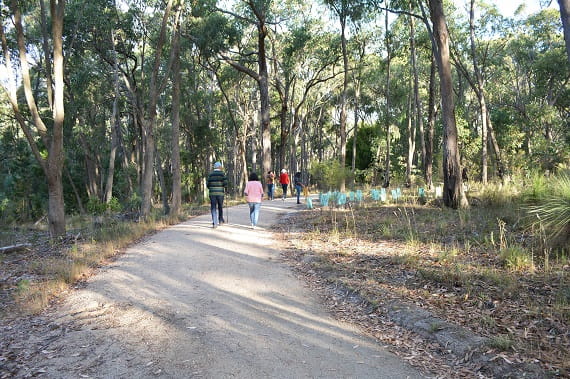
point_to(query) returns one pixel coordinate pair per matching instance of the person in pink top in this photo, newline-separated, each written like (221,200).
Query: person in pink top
(253,195)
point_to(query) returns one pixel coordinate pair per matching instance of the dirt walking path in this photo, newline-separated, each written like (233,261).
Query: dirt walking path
(197,302)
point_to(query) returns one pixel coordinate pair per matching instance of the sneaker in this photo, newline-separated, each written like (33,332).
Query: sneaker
(214,225)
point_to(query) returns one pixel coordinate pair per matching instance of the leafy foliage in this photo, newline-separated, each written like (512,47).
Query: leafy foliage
(328,175)
(552,213)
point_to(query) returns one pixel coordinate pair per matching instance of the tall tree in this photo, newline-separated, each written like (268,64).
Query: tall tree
(175,133)
(361,42)
(261,12)
(432,112)
(453,195)
(148,124)
(387,118)
(51,137)
(478,85)
(345,10)
(417,98)
(308,61)
(565,17)
(115,125)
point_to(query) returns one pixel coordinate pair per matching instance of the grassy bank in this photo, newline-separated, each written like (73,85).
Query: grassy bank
(34,276)
(491,268)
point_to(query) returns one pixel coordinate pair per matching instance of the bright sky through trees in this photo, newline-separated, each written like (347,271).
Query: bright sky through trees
(506,7)
(509,7)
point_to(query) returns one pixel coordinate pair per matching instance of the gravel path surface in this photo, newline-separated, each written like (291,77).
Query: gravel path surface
(193,301)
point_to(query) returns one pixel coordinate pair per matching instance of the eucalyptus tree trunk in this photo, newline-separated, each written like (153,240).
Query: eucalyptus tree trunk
(565,17)
(356,120)
(304,152)
(56,207)
(264,99)
(162,183)
(501,167)
(432,112)
(239,137)
(387,119)
(357,86)
(126,159)
(342,131)
(175,132)
(47,54)
(487,132)
(148,123)
(52,165)
(411,143)
(417,98)
(283,128)
(480,94)
(262,79)
(319,136)
(114,127)
(75,191)
(91,168)
(453,195)
(283,93)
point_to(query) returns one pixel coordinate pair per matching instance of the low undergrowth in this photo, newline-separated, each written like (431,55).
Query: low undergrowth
(482,268)
(32,277)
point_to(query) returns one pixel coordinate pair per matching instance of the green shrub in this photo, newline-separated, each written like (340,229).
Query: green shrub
(537,188)
(134,202)
(328,175)
(516,258)
(96,206)
(498,194)
(501,342)
(114,205)
(551,216)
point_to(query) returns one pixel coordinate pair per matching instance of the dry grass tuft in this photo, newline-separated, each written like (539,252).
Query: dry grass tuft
(477,268)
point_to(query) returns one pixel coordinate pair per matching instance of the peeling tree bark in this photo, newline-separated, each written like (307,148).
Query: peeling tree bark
(453,195)
(175,133)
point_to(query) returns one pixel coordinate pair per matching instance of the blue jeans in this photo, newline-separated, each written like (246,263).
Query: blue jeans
(254,212)
(217,208)
(298,188)
(270,191)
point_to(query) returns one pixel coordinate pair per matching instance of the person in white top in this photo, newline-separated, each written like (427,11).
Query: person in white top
(253,195)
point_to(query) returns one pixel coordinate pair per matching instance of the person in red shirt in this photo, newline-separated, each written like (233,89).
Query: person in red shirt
(284,180)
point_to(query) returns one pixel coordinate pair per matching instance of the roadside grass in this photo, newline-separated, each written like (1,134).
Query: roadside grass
(484,268)
(36,276)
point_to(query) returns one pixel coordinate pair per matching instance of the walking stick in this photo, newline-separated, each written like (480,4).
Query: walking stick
(227,212)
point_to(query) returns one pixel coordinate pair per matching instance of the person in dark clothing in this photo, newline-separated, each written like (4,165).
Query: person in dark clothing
(217,184)
(298,183)
(270,181)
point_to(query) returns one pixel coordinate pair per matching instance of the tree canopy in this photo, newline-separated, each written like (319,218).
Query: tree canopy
(155,91)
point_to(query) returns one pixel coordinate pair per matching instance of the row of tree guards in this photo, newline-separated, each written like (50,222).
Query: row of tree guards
(341,199)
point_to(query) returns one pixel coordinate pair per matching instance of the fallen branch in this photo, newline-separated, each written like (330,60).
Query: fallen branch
(10,249)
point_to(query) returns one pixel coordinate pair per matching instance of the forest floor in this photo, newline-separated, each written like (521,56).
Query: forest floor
(432,294)
(453,312)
